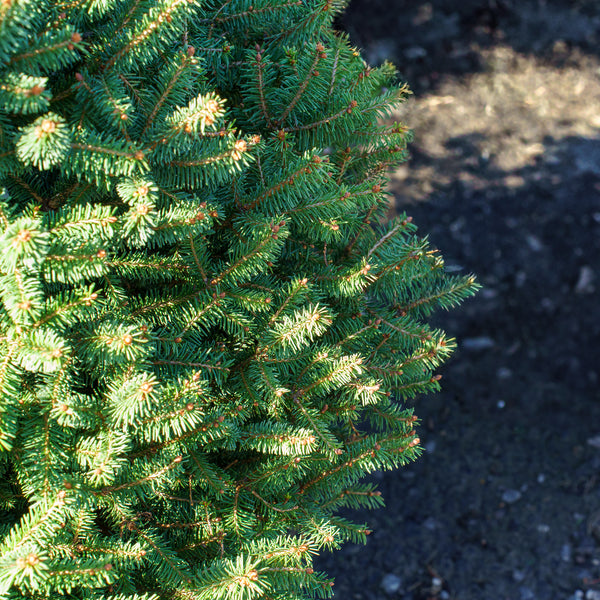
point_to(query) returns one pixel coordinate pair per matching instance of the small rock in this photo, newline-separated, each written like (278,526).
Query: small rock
(514,181)
(430,446)
(548,304)
(391,584)
(594,441)
(526,593)
(566,552)
(424,14)
(520,279)
(592,595)
(534,242)
(458,225)
(380,51)
(585,574)
(587,156)
(453,268)
(504,373)
(578,595)
(560,47)
(541,478)
(475,344)
(415,52)
(430,524)
(436,585)
(489,293)
(500,404)
(518,575)
(585,282)
(444,595)
(511,496)
(543,528)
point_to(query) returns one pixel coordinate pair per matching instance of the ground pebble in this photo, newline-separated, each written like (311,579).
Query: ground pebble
(504,373)
(594,441)
(585,281)
(430,446)
(578,595)
(566,553)
(415,52)
(592,595)
(518,575)
(391,583)
(478,343)
(543,528)
(526,593)
(534,242)
(511,496)
(436,585)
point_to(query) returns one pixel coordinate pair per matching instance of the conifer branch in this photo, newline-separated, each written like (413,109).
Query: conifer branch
(196,259)
(371,325)
(49,50)
(302,284)
(422,335)
(209,160)
(241,261)
(464,286)
(151,543)
(271,506)
(165,94)
(127,19)
(334,69)
(42,201)
(65,308)
(302,88)
(162,17)
(314,426)
(382,240)
(321,122)
(197,365)
(171,302)
(117,488)
(252,12)
(290,180)
(261,88)
(365,224)
(137,155)
(355,459)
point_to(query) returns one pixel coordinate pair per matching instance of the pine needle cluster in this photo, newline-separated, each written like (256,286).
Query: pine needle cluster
(208,327)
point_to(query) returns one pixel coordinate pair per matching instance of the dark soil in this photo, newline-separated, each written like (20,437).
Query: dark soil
(505,179)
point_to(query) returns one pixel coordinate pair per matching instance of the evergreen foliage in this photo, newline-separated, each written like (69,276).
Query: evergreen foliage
(207,326)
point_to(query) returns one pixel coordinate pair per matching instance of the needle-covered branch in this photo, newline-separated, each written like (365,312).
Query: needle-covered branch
(208,325)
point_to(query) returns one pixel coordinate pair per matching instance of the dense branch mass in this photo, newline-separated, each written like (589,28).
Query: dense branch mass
(207,326)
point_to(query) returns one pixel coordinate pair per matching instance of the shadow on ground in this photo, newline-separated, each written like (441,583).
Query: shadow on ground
(432,39)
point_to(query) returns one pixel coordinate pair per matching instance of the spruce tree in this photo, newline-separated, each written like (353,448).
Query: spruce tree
(208,327)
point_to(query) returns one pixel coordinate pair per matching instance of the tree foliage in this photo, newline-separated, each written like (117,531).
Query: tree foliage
(207,326)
